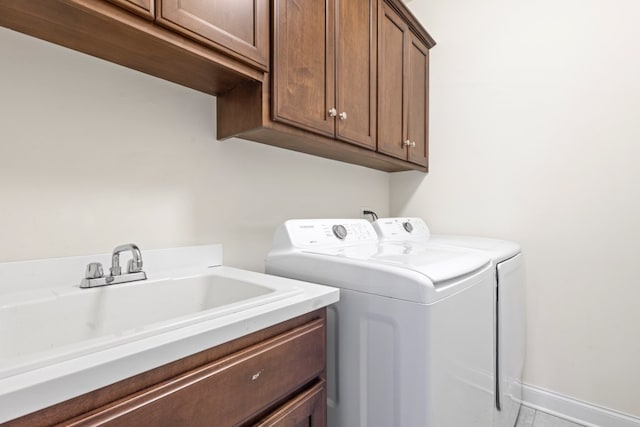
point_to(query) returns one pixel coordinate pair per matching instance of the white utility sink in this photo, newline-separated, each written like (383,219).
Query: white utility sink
(61,324)
(59,341)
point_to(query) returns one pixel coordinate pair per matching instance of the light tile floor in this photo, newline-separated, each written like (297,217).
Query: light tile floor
(529,417)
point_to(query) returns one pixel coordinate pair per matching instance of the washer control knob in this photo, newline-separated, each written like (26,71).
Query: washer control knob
(339,231)
(408,226)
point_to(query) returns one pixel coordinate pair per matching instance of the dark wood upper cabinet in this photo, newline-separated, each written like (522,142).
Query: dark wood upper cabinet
(239,27)
(418,98)
(349,81)
(303,64)
(324,68)
(108,30)
(403,84)
(340,79)
(144,8)
(356,54)
(392,104)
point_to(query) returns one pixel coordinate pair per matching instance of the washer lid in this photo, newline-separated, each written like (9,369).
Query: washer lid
(497,250)
(437,264)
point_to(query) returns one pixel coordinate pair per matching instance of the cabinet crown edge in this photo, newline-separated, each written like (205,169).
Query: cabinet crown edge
(413,22)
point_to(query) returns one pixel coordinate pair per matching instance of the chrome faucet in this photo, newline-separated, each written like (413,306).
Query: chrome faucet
(94,275)
(135,263)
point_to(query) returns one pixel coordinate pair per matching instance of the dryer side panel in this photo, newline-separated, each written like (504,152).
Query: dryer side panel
(511,338)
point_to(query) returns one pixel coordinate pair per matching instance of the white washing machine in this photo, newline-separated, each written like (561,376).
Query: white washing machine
(509,317)
(410,343)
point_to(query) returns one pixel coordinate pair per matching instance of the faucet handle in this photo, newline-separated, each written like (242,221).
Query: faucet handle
(94,270)
(134,266)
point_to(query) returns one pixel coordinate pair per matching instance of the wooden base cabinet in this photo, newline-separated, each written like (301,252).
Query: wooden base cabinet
(403,76)
(306,410)
(274,377)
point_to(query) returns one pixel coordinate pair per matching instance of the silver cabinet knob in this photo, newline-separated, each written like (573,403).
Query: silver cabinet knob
(413,143)
(407,143)
(94,271)
(333,112)
(343,116)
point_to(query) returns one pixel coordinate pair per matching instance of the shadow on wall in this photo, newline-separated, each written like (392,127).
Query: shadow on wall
(404,187)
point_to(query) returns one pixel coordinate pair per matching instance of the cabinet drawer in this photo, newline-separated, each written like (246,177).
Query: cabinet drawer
(306,409)
(226,391)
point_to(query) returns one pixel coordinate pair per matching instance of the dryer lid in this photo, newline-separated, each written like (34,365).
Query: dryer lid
(439,265)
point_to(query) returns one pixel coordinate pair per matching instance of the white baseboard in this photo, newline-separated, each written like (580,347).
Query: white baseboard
(571,409)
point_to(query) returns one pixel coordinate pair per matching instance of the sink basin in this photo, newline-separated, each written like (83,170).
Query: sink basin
(64,323)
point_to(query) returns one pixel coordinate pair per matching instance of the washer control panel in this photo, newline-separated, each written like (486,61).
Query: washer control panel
(307,233)
(407,229)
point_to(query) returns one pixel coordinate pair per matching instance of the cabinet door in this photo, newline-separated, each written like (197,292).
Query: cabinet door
(418,112)
(143,8)
(238,27)
(356,30)
(306,410)
(225,392)
(303,64)
(392,95)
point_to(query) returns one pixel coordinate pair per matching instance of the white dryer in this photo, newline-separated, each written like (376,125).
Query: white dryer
(410,343)
(509,326)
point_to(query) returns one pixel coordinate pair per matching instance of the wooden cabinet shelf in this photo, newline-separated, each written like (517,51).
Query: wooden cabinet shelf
(244,112)
(274,377)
